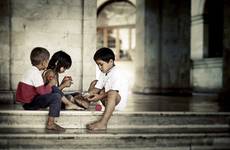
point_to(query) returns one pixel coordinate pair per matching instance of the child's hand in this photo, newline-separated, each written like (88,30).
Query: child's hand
(94,97)
(67,78)
(66,82)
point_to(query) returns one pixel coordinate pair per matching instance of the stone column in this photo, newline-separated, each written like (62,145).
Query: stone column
(226,73)
(147,61)
(163,47)
(6,93)
(89,42)
(224,97)
(197,30)
(5,45)
(197,37)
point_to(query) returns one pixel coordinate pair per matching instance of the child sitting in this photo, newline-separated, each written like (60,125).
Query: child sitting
(32,92)
(111,88)
(59,63)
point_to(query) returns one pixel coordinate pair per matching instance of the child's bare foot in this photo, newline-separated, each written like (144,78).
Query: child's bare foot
(72,106)
(98,125)
(79,100)
(55,127)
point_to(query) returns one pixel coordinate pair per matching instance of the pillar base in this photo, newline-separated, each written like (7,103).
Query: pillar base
(7,97)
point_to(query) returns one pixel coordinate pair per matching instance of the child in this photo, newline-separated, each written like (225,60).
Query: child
(59,62)
(32,92)
(111,88)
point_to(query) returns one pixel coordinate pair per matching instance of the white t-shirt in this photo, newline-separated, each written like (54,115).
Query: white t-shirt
(114,80)
(33,77)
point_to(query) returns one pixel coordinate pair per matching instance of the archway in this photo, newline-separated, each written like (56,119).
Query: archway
(116,21)
(207,45)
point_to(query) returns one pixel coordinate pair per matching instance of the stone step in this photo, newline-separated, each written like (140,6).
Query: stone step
(126,139)
(7,97)
(128,120)
(20,129)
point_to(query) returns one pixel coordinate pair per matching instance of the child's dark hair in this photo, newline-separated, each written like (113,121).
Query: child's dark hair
(39,54)
(104,54)
(58,60)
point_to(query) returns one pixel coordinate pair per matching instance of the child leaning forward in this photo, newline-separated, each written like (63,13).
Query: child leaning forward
(34,94)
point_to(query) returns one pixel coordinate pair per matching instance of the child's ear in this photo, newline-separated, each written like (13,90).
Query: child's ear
(111,61)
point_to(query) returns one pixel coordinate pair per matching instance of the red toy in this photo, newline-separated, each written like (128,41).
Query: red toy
(98,107)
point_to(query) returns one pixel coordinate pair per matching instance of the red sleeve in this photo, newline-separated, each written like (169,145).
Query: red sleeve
(44,89)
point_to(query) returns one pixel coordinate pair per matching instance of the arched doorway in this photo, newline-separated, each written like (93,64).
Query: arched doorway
(116,21)
(213,29)
(207,46)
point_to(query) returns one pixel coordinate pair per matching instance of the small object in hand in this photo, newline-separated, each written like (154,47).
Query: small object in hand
(98,107)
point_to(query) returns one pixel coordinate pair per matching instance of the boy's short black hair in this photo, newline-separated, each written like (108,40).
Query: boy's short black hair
(58,60)
(39,54)
(104,54)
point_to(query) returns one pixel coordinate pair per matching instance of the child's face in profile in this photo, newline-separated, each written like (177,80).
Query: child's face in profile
(104,66)
(44,64)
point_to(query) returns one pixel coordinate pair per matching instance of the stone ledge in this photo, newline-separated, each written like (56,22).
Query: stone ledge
(7,97)
(150,120)
(116,139)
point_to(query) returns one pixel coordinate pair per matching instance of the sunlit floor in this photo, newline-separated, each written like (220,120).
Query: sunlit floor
(138,102)
(195,103)
(143,102)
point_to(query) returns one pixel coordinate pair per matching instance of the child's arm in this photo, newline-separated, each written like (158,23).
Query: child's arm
(48,75)
(96,97)
(94,91)
(41,87)
(66,82)
(99,95)
(44,89)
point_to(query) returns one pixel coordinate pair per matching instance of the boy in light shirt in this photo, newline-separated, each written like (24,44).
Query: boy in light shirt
(111,88)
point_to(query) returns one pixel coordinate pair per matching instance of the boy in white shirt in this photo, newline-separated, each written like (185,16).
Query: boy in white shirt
(111,88)
(34,94)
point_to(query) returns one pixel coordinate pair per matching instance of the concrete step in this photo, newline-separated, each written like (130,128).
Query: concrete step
(126,139)
(20,129)
(129,120)
(7,97)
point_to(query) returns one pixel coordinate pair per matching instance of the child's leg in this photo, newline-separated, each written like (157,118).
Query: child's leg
(79,98)
(68,104)
(81,101)
(112,99)
(53,101)
(70,98)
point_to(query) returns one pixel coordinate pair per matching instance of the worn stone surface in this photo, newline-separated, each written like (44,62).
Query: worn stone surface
(207,75)
(156,70)
(56,25)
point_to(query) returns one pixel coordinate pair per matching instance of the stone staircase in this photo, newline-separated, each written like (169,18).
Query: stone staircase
(21,129)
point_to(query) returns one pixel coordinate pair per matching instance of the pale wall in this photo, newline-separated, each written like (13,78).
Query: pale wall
(68,25)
